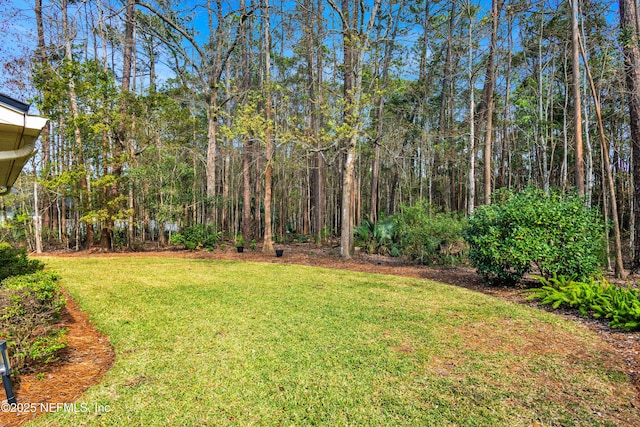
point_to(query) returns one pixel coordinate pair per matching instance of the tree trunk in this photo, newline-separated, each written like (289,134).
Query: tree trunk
(504,164)
(267,243)
(73,106)
(375,169)
(212,147)
(348,42)
(131,156)
(542,118)
(37,219)
(471,197)
(313,44)
(246,143)
(353,58)
(384,78)
(565,147)
(445,95)
(577,104)
(629,37)
(246,189)
(213,72)
(619,268)
(489,83)
(45,135)
(106,238)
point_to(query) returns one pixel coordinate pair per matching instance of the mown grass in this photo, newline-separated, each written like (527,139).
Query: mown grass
(229,343)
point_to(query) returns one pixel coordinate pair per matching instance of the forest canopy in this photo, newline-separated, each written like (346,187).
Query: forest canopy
(306,117)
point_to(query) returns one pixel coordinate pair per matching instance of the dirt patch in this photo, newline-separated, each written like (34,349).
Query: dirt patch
(90,355)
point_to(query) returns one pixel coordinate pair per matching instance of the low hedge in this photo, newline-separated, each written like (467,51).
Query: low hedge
(30,306)
(14,262)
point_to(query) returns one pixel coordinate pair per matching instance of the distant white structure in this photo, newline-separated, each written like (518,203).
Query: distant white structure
(18,134)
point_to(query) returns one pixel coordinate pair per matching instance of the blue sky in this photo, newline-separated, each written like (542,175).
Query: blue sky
(18,38)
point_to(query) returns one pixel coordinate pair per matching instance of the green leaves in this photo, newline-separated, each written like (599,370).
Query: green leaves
(30,305)
(598,299)
(430,237)
(423,235)
(14,262)
(555,233)
(377,238)
(197,237)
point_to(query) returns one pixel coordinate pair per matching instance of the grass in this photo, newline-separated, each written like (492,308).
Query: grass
(226,343)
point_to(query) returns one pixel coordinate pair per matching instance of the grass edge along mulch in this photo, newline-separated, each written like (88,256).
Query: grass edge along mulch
(279,344)
(82,364)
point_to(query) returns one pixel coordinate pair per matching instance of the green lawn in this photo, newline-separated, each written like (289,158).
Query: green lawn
(232,343)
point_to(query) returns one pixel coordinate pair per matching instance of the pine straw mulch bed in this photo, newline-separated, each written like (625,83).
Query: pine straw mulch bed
(89,355)
(79,366)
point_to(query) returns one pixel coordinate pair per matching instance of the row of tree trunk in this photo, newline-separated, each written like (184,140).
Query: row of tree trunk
(210,67)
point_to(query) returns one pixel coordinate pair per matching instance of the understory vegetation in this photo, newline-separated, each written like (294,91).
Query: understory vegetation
(554,232)
(418,232)
(203,342)
(596,298)
(30,305)
(197,237)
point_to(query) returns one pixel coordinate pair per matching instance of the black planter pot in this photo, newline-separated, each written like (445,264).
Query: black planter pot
(240,248)
(279,252)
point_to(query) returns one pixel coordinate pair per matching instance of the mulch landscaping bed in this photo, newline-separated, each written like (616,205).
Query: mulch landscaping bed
(82,364)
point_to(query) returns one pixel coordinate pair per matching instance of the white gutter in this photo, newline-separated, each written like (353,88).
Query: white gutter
(23,130)
(27,151)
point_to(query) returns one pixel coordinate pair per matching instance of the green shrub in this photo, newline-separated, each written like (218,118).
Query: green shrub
(430,237)
(197,237)
(44,348)
(16,228)
(29,307)
(377,238)
(14,262)
(555,233)
(599,299)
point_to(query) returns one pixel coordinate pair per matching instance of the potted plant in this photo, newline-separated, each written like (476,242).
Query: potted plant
(240,242)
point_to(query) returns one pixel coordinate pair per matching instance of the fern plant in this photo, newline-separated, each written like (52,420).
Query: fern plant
(599,299)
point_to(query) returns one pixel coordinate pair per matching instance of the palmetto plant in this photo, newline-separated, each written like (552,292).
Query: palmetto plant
(377,238)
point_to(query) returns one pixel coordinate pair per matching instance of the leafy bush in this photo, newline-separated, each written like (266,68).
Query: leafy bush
(599,299)
(377,238)
(16,228)
(430,237)
(29,307)
(197,237)
(555,233)
(14,262)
